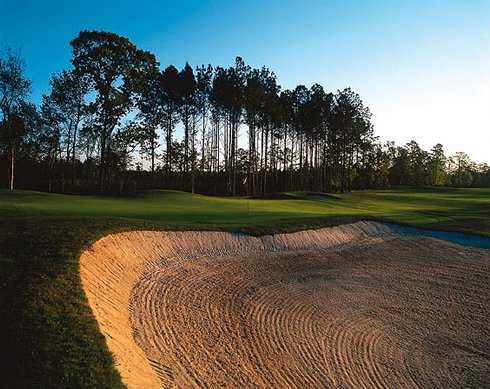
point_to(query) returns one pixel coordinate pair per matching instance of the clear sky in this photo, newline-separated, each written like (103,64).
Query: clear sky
(423,67)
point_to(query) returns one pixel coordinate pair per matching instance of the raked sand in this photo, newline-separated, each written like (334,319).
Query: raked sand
(354,306)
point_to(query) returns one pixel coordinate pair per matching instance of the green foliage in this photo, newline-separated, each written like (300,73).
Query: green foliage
(116,71)
(438,162)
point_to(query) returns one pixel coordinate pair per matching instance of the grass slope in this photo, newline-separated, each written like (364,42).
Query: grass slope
(466,210)
(49,337)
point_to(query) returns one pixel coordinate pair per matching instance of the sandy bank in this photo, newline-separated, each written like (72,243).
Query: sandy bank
(350,306)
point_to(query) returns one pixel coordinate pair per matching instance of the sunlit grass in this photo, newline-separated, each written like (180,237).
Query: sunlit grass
(461,209)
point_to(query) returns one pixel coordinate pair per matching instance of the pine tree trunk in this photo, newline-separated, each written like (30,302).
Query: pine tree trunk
(12,167)
(168,156)
(193,155)
(102,162)
(264,189)
(73,154)
(152,164)
(203,139)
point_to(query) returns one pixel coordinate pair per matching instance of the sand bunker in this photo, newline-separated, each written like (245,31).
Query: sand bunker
(352,306)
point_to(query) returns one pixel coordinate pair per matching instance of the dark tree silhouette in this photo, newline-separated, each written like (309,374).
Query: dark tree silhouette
(116,122)
(113,66)
(14,89)
(187,90)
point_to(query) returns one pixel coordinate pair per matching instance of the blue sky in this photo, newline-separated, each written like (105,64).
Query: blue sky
(422,66)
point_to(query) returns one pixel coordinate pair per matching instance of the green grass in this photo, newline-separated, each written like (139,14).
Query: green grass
(48,335)
(466,210)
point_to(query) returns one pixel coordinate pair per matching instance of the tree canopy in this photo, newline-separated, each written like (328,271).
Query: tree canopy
(115,122)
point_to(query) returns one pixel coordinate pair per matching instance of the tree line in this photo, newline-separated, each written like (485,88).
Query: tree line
(116,122)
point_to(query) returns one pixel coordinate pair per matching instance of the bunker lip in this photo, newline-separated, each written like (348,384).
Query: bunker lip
(122,273)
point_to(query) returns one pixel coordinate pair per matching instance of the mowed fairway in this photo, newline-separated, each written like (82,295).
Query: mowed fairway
(466,210)
(343,309)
